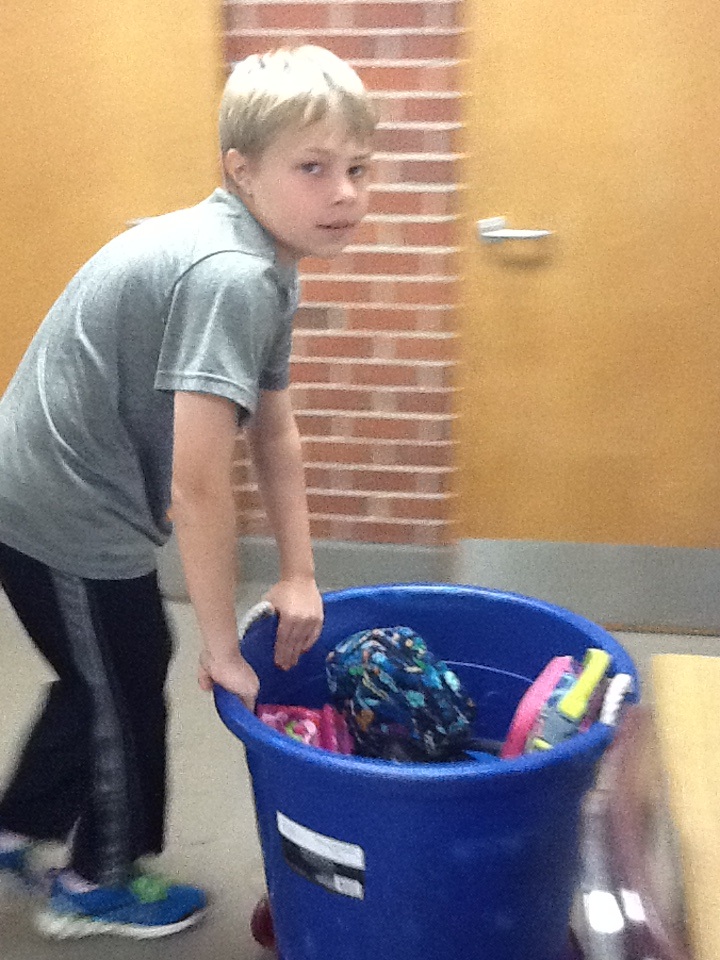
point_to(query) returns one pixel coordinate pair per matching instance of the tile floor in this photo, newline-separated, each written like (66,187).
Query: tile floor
(211,837)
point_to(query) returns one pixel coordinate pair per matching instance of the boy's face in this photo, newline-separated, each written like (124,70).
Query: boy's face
(309,189)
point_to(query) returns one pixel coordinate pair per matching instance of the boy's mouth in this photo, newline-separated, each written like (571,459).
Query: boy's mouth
(339,225)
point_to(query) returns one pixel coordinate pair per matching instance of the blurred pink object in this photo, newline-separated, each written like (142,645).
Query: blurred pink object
(325,728)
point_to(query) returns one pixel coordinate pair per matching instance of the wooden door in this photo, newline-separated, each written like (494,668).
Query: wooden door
(589,407)
(108,114)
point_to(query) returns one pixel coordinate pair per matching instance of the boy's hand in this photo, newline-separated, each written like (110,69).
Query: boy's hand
(299,607)
(233,673)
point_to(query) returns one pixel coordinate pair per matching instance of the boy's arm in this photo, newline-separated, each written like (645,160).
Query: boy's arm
(204,518)
(277,455)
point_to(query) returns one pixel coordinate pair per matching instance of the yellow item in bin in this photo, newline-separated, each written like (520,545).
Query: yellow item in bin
(575,709)
(564,698)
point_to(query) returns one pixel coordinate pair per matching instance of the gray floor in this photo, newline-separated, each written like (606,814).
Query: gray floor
(211,835)
(212,839)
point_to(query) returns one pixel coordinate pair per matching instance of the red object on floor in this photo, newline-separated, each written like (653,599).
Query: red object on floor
(261,924)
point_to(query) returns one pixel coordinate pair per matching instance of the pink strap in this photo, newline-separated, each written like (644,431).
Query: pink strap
(531,706)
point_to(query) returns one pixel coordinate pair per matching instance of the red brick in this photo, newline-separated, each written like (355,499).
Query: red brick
(313,371)
(314,317)
(431,76)
(384,428)
(323,528)
(334,398)
(293,16)
(387,427)
(417,507)
(431,46)
(382,15)
(351,526)
(358,374)
(424,401)
(338,291)
(385,199)
(398,451)
(349,47)
(366,233)
(424,171)
(440,138)
(337,345)
(313,425)
(399,141)
(355,46)
(393,531)
(361,480)
(398,317)
(386,374)
(430,290)
(332,528)
(409,233)
(440,453)
(337,451)
(425,348)
(425,109)
(286,16)
(345,504)
(331,477)
(382,263)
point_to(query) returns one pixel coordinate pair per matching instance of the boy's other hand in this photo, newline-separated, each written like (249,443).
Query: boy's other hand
(233,673)
(298,605)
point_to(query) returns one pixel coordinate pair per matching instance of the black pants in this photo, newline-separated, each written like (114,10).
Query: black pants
(94,766)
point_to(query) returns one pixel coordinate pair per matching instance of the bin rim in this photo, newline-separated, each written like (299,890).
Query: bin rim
(253,732)
(435,586)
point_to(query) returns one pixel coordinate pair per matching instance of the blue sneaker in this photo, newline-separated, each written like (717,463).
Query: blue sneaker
(15,868)
(144,909)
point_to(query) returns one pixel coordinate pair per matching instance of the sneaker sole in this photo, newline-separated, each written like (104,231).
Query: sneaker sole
(63,926)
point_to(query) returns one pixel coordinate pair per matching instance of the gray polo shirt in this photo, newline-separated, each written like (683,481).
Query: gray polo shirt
(192,301)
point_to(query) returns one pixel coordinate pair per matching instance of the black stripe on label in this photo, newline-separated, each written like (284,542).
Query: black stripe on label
(333,864)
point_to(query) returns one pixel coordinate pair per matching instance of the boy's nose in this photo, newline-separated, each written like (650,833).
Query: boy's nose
(346,190)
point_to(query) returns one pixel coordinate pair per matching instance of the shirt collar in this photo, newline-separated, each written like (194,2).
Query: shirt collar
(257,238)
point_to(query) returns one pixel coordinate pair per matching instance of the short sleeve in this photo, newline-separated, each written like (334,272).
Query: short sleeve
(276,374)
(226,330)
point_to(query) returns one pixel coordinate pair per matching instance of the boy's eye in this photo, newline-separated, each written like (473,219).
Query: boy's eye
(311,166)
(358,171)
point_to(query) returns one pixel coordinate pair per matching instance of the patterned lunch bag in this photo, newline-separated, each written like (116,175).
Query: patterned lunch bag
(401,703)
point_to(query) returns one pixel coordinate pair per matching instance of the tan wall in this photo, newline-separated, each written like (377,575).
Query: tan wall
(589,405)
(108,114)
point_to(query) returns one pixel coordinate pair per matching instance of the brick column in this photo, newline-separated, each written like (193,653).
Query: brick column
(374,343)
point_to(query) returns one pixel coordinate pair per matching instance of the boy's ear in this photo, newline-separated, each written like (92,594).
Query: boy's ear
(236,167)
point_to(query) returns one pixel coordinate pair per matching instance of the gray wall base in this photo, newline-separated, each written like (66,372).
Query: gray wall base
(653,588)
(339,564)
(639,588)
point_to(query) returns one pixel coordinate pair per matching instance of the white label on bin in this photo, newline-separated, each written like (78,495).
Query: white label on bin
(334,864)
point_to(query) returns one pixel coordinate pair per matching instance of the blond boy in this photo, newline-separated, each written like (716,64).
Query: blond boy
(129,400)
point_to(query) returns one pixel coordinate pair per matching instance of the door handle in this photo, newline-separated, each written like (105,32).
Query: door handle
(493,230)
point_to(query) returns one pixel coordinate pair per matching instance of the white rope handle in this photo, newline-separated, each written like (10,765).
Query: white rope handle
(262,609)
(618,688)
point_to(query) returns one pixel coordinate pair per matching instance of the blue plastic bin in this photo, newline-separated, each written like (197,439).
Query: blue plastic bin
(374,860)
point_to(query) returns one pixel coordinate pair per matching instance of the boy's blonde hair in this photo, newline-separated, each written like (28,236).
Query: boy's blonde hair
(269,93)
